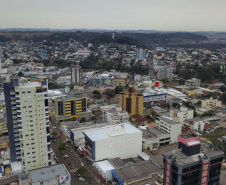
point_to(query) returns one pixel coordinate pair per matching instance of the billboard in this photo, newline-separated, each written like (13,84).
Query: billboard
(64,179)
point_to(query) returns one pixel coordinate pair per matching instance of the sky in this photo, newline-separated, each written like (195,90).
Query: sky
(164,15)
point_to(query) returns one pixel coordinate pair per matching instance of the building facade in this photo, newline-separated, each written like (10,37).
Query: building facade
(181,114)
(76,74)
(132,102)
(193,83)
(140,54)
(113,141)
(193,163)
(165,72)
(66,109)
(211,103)
(28,123)
(170,127)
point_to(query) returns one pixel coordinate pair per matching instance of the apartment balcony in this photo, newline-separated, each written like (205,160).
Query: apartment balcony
(18,157)
(14,108)
(16,135)
(22,148)
(18,96)
(15,126)
(12,93)
(17,139)
(20,130)
(19,120)
(12,98)
(17,148)
(13,102)
(48,134)
(48,143)
(14,117)
(18,105)
(21,138)
(23,157)
(18,101)
(18,153)
(17,144)
(19,115)
(18,110)
(23,166)
(20,125)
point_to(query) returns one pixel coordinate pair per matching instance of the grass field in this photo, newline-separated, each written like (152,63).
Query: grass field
(218,133)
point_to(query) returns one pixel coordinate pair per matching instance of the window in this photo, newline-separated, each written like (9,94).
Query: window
(28,91)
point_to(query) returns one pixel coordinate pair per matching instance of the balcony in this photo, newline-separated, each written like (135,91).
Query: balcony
(23,166)
(12,93)
(17,139)
(48,143)
(21,138)
(18,110)
(20,125)
(18,105)
(18,101)
(47,134)
(22,148)
(13,102)
(15,126)
(17,148)
(16,135)
(23,157)
(17,144)
(18,153)
(13,108)
(19,120)
(20,130)
(18,96)
(15,117)
(13,98)
(18,157)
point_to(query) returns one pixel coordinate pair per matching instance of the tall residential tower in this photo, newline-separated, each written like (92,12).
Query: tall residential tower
(76,74)
(28,123)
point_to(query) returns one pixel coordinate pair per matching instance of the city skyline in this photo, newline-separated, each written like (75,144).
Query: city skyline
(173,15)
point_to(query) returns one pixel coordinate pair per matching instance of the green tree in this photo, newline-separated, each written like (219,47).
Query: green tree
(119,89)
(82,170)
(224,97)
(176,105)
(54,134)
(222,88)
(82,120)
(165,80)
(96,94)
(20,74)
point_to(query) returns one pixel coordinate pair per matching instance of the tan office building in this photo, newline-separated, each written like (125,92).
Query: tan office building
(131,101)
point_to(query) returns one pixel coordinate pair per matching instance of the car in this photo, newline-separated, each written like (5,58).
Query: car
(81,164)
(53,127)
(65,156)
(81,179)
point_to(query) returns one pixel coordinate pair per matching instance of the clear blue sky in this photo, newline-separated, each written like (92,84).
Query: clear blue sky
(172,15)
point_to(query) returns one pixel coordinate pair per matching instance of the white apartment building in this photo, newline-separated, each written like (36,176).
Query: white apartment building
(168,126)
(193,83)
(123,141)
(28,123)
(182,114)
(196,124)
(116,116)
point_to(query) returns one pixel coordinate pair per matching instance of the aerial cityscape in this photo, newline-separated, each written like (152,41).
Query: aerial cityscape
(112,98)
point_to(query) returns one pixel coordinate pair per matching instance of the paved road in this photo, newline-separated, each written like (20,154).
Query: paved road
(75,160)
(74,179)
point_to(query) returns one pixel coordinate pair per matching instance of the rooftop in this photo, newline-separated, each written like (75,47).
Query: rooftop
(182,159)
(47,173)
(110,131)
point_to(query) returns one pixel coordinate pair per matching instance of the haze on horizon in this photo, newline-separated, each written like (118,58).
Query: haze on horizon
(165,15)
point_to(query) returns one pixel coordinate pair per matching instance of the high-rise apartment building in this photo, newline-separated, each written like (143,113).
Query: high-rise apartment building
(165,72)
(28,123)
(140,54)
(194,163)
(70,108)
(131,101)
(76,74)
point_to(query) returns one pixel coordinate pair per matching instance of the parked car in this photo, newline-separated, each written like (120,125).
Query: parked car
(65,156)
(82,164)
(81,179)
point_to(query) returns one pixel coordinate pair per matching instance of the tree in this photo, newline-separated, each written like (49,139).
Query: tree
(96,94)
(82,170)
(176,105)
(181,81)
(222,88)
(165,80)
(119,89)
(54,134)
(224,97)
(82,120)
(20,74)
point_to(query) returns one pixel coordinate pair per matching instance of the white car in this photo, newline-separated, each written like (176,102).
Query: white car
(81,179)
(65,156)
(82,164)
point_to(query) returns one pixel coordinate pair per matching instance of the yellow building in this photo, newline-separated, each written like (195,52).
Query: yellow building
(131,101)
(3,129)
(211,103)
(71,108)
